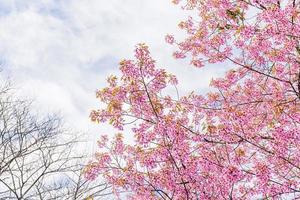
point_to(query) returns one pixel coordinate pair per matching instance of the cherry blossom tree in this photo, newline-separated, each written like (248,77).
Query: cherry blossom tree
(241,141)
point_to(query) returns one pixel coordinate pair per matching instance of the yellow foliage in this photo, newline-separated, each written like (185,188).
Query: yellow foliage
(115,91)
(113,105)
(277,111)
(240,152)
(211,129)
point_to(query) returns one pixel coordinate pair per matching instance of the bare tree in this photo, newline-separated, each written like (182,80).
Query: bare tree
(37,156)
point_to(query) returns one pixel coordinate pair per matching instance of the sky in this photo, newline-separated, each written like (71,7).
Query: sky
(59,52)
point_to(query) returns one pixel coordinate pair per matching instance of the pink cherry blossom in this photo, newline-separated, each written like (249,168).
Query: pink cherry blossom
(239,141)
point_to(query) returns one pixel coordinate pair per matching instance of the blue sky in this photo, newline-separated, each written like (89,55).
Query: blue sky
(60,51)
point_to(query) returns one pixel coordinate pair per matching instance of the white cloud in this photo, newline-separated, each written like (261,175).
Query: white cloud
(60,52)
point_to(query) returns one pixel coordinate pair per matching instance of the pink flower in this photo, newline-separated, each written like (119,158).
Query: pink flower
(169,39)
(178,55)
(197,63)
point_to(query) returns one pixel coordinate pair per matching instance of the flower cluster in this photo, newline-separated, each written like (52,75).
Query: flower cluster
(241,141)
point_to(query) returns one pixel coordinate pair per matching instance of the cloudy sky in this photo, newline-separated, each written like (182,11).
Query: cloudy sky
(60,51)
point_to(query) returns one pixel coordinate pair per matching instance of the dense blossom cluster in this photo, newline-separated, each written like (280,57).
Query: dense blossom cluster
(240,142)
